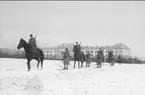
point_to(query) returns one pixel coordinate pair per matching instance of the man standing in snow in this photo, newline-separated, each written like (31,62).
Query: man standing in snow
(88,59)
(66,58)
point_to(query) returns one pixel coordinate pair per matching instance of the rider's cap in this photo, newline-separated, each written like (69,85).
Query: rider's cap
(66,48)
(31,35)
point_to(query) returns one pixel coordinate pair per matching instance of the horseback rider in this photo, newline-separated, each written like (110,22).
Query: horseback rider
(101,51)
(32,45)
(110,53)
(77,48)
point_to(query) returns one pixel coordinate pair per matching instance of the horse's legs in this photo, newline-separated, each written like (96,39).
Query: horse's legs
(41,63)
(38,60)
(97,64)
(89,64)
(67,66)
(100,64)
(64,66)
(28,65)
(78,64)
(74,63)
(86,64)
(81,63)
(38,64)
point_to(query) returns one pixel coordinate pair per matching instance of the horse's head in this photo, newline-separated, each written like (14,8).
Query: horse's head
(21,43)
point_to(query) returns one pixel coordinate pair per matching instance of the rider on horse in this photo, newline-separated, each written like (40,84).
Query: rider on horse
(77,48)
(77,54)
(32,45)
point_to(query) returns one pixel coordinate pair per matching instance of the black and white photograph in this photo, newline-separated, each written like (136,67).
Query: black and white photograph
(72,47)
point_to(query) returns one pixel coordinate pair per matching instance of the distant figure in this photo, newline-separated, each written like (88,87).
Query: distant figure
(111,58)
(100,58)
(82,58)
(32,45)
(66,58)
(77,54)
(77,48)
(88,59)
(119,59)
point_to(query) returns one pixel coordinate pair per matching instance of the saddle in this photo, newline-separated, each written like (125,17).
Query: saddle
(33,51)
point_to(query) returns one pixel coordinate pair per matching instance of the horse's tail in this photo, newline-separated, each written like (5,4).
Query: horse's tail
(42,55)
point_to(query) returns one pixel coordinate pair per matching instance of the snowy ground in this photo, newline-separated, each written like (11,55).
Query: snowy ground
(117,80)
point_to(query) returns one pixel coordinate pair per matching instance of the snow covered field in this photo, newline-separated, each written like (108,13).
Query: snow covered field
(118,80)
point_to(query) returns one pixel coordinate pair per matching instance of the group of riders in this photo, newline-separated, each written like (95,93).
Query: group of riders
(78,54)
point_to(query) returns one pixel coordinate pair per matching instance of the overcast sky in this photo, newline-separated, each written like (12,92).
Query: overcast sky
(89,22)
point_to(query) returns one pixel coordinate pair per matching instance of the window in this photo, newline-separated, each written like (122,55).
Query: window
(96,51)
(86,51)
(47,51)
(50,51)
(91,51)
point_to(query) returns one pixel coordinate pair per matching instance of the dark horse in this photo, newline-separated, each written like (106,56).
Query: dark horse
(111,58)
(80,57)
(83,58)
(39,54)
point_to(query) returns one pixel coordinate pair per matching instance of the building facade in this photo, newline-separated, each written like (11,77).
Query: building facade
(57,52)
(50,53)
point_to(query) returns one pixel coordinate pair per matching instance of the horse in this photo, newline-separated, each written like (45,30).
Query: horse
(39,57)
(103,58)
(111,58)
(82,59)
(78,56)
(100,59)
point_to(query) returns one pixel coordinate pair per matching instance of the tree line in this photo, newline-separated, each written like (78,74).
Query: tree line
(123,59)
(4,54)
(119,59)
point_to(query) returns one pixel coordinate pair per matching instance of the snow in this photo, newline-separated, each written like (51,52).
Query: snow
(125,79)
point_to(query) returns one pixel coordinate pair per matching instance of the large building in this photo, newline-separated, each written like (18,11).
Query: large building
(56,52)
(50,53)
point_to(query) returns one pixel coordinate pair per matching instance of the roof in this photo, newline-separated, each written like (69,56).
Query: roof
(70,45)
(120,46)
(49,48)
(66,45)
